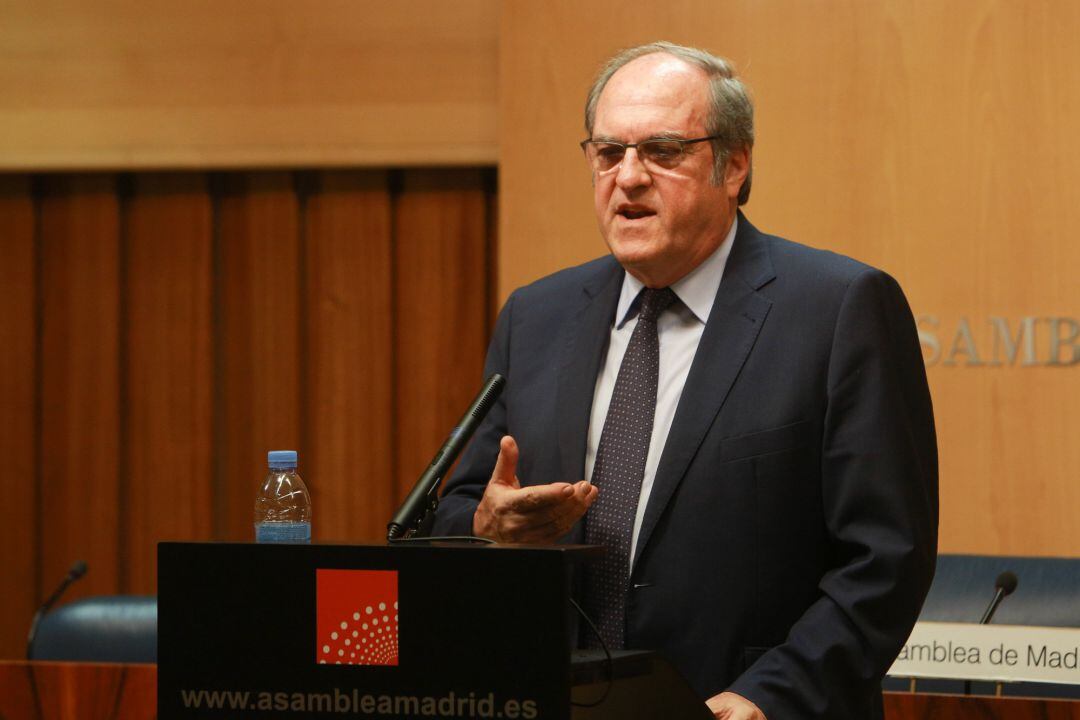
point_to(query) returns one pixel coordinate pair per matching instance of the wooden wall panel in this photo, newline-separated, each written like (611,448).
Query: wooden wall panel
(87,691)
(441,294)
(349,404)
(163,331)
(80,382)
(18,412)
(259,379)
(203,84)
(933,140)
(168,421)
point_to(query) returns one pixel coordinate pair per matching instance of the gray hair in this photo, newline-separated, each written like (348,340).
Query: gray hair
(731,117)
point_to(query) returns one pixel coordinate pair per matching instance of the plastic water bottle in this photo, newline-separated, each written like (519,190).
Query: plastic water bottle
(283,505)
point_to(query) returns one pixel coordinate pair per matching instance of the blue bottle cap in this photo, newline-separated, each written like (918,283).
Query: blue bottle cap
(281,459)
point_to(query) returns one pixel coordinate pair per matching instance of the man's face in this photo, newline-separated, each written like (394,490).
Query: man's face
(662,223)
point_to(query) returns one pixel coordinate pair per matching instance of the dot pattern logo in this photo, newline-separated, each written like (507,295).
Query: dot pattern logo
(357,617)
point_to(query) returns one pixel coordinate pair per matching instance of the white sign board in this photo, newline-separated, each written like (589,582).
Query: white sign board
(1008,653)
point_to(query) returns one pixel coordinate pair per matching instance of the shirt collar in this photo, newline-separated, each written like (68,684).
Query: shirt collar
(697,290)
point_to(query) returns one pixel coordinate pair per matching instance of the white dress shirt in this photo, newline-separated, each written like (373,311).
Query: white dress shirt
(679,329)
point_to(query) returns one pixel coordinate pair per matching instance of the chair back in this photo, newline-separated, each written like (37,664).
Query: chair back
(109,628)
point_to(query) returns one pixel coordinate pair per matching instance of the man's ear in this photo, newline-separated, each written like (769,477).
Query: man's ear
(735,171)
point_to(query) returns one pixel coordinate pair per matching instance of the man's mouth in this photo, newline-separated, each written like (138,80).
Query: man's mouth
(634,212)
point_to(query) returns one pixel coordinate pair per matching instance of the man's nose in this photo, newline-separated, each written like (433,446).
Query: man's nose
(632,171)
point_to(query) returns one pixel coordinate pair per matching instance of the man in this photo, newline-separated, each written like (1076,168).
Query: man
(753,415)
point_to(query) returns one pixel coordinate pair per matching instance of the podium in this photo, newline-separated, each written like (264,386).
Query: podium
(410,630)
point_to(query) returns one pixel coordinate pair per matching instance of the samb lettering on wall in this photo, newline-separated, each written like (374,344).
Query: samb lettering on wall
(997,341)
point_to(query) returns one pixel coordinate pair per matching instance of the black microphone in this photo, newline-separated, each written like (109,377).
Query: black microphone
(415,512)
(77,570)
(1004,585)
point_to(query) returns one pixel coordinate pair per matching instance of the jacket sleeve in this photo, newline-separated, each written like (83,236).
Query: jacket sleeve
(879,491)
(468,480)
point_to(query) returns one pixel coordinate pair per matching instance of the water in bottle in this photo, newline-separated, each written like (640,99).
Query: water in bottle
(283,506)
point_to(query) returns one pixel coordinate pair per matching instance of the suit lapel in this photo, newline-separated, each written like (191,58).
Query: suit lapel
(737,316)
(586,344)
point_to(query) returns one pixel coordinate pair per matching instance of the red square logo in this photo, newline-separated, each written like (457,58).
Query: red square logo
(356,617)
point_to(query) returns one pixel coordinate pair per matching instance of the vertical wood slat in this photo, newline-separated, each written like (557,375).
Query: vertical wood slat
(259,348)
(169,414)
(349,382)
(80,415)
(441,291)
(18,415)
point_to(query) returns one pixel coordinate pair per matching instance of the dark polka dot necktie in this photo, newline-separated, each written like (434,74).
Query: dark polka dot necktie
(618,470)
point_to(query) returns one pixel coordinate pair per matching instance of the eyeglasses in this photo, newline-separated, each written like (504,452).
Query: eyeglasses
(663,153)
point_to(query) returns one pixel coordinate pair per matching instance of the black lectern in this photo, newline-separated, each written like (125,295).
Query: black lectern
(408,631)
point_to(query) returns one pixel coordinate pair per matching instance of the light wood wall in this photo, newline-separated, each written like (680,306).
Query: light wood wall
(247,83)
(163,331)
(936,140)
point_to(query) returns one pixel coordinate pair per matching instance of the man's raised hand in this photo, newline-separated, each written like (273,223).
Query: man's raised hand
(510,513)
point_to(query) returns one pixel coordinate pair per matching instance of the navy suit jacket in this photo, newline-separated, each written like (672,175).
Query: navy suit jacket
(791,532)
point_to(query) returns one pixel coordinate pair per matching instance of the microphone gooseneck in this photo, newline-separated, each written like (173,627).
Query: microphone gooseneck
(1004,586)
(76,571)
(418,507)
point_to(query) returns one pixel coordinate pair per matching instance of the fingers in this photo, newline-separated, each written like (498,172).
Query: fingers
(538,498)
(548,512)
(505,472)
(730,706)
(552,501)
(538,514)
(590,490)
